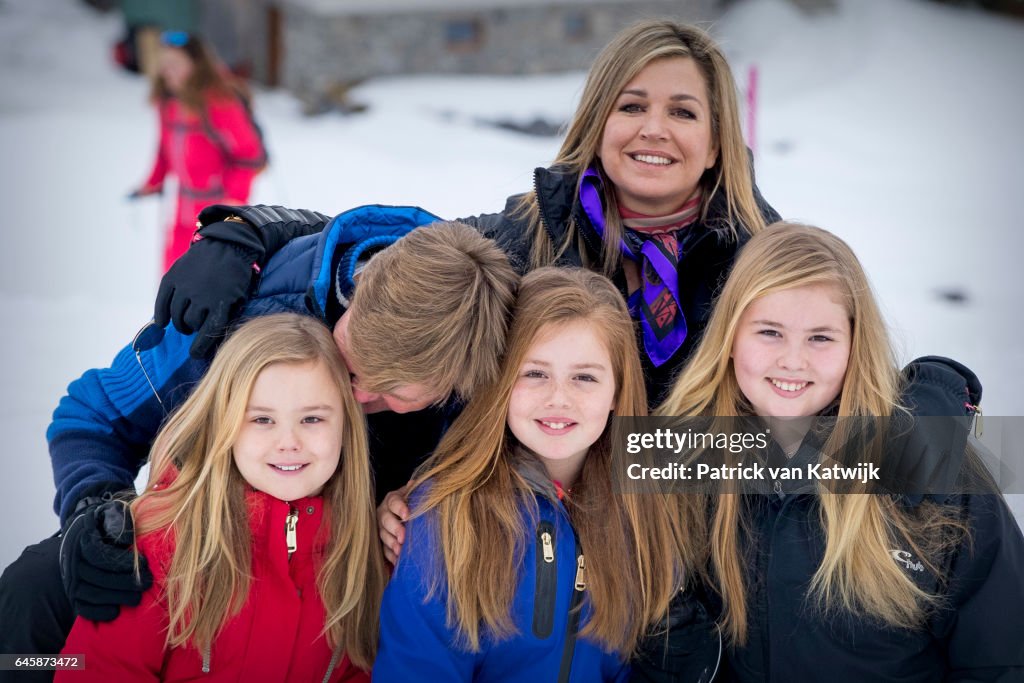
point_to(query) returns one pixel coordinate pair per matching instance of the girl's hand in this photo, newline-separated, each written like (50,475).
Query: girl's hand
(391,516)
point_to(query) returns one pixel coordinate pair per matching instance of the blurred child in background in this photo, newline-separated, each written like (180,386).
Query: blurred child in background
(208,138)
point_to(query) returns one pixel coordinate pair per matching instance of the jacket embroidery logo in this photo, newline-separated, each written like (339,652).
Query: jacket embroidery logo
(905,558)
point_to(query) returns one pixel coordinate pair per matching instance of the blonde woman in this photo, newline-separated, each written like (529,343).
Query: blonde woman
(822,586)
(521,564)
(257,524)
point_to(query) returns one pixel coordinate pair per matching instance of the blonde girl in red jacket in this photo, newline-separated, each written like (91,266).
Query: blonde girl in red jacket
(258,523)
(207,137)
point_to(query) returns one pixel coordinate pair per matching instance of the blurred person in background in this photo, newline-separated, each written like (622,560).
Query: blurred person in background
(208,138)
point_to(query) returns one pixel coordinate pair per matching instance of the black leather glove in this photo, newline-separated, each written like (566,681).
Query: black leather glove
(97,560)
(207,287)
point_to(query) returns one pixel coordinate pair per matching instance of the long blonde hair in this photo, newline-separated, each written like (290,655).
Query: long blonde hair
(477,494)
(204,508)
(857,572)
(618,63)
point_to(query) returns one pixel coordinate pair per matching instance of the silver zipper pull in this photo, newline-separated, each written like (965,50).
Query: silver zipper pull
(290,536)
(549,548)
(979,421)
(580,583)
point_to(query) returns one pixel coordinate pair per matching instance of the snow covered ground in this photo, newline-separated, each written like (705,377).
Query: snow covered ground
(894,123)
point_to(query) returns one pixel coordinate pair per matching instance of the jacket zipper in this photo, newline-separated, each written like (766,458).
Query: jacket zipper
(573,624)
(540,209)
(974,412)
(769,668)
(335,658)
(545,590)
(291,539)
(290,536)
(142,366)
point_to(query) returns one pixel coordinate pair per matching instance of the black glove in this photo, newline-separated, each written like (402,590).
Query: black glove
(97,560)
(204,290)
(207,287)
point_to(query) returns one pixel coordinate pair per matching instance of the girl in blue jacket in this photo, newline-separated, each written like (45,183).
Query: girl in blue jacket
(519,563)
(820,585)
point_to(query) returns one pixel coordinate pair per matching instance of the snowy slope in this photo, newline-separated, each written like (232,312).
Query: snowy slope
(893,123)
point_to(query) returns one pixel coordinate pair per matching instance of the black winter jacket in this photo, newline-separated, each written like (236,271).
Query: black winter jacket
(708,252)
(977,636)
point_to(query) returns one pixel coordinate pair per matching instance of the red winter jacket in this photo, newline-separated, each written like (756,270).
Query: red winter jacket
(276,636)
(215,157)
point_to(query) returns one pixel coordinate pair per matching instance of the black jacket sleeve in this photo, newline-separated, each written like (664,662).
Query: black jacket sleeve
(927,450)
(940,386)
(984,633)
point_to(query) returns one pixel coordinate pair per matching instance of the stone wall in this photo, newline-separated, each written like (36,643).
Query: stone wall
(326,51)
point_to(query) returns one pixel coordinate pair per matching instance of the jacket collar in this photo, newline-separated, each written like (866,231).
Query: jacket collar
(556,189)
(268,517)
(558,200)
(532,471)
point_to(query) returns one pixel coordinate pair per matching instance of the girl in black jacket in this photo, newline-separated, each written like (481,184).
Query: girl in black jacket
(815,584)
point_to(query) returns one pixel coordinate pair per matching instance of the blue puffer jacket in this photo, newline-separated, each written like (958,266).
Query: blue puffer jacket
(102,429)
(417,644)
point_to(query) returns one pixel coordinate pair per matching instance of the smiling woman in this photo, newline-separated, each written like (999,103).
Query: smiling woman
(652,186)
(657,141)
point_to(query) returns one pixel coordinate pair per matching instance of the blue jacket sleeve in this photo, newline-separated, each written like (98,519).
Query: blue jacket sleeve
(416,644)
(985,637)
(102,429)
